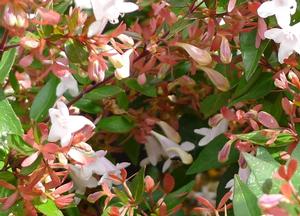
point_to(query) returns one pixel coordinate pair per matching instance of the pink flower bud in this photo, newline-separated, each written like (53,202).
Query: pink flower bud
(149,184)
(9,17)
(225,52)
(201,56)
(225,151)
(29,43)
(96,71)
(231,5)
(220,81)
(142,79)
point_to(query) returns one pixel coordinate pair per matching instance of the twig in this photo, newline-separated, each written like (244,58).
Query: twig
(89,89)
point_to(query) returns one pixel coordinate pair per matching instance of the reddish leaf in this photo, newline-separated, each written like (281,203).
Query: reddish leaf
(286,190)
(291,169)
(267,120)
(168,183)
(10,201)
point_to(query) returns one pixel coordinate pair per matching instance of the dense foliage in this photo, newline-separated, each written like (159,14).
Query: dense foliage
(149,107)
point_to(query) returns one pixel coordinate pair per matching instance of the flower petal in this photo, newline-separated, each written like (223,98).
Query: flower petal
(266,9)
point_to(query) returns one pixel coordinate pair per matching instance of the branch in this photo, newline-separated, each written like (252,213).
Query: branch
(89,89)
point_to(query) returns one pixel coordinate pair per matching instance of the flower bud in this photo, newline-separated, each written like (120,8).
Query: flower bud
(95,71)
(201,56)
(220,81)
(225,151)
(29,43)
(126,39)
(225,52)
(9,17)
(149,184)
(142,79)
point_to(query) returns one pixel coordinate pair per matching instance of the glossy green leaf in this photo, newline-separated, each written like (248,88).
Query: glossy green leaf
(116,124)
(103,92)
(48,208)
(208,157)
(244,201)
(251,55)
(261,171)
(17,143)
(137,185)
(261,88)
(9,122)
(213,103)
(76,52)
(147,89)
(44,100)
(6,63)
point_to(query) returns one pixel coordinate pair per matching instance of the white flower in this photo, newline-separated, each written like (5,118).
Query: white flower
(124,71)
(67,83)
(104,11)
(95,163)
(159,147)
(211,133)
(288,38)
(65,125)
(282,9)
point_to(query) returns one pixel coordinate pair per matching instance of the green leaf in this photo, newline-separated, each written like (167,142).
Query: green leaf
(62,6)
(261,172)
(213,103)
(6,63)
(147,89)
(208,157)
(44,100)
(132,149)
(75,51)
(175,198)
(48,208)
(244,201)
(261,137)
(17,143)
(9,122)
(116,124)
(28,170)
(88,106)
(251,55)
(137,185)
(262,87)
(103,92)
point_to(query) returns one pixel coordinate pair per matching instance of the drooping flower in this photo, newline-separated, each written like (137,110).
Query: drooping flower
(288,38)
(67,83)
(282,9)
(94,163)
(211,133)
(65,125)
(159,147)
(105,11)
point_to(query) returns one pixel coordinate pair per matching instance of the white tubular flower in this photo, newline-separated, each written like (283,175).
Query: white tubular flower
(67,83)
(65,125)
(282,9)
(288,38)
(211,133)
(80,183)
(96,163)
(105,11)
(124,71)
(159,147)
